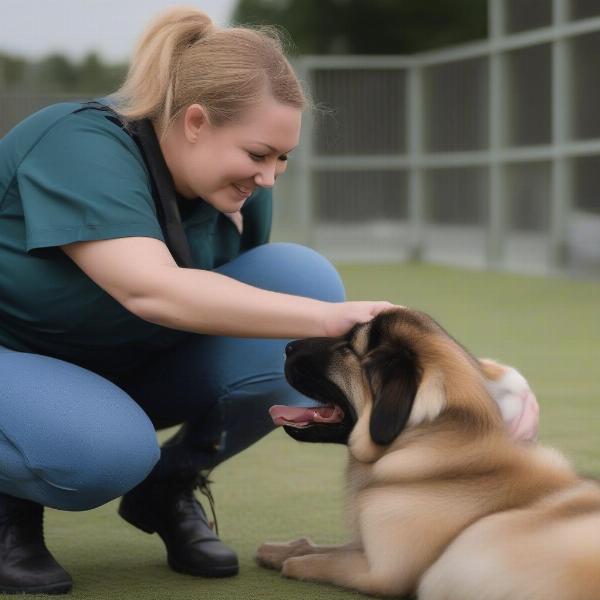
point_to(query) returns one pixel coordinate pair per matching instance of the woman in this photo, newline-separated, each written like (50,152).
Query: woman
(104,338)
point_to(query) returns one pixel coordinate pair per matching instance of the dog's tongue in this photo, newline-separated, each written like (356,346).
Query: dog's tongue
(302,416)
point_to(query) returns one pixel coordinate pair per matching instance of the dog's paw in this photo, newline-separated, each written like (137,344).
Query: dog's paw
(272,555)
(293,568)
(516,400)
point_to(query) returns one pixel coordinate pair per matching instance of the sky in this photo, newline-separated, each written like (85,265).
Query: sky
(34,28)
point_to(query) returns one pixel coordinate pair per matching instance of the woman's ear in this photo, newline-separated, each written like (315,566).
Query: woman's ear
(195,118)
(395,376)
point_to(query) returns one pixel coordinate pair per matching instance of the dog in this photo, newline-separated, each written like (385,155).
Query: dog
(443,502)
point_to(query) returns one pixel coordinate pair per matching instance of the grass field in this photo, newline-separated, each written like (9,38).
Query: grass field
(280,489)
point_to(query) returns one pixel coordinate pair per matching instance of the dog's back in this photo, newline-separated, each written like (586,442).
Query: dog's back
(481,517)
(545,549)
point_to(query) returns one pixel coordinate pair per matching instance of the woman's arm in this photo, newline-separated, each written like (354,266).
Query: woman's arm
(140,274)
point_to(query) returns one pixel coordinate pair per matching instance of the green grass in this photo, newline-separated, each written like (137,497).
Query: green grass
(280,489)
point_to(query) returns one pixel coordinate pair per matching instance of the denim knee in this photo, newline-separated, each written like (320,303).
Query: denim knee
(98,471)
(105,472)
(288,268)
(304,272)
(69,438)
(120,466)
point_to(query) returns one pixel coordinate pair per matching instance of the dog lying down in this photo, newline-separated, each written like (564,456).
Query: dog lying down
(443,502)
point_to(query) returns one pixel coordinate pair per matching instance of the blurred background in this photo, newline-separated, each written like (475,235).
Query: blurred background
(451,139)
(462,132)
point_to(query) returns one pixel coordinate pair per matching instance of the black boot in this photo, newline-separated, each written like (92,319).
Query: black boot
(169,508)
(26,565)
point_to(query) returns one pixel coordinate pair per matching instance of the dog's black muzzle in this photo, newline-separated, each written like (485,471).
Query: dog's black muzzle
(306,366)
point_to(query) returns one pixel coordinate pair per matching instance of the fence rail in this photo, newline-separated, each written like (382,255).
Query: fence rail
(486,154)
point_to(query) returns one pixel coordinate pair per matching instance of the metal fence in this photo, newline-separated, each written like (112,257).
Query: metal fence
(484,155)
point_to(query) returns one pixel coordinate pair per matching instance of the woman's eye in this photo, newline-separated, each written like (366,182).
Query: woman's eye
(261,157)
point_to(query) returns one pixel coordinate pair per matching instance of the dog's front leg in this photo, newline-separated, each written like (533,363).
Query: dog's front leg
(349,569)
(272,555)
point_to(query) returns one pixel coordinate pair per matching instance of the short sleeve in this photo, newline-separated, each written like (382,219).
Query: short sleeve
(85,180)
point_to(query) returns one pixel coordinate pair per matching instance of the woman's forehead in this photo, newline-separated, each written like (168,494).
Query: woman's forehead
(270,123)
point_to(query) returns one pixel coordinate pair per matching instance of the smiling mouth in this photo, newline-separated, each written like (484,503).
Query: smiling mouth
(242,191)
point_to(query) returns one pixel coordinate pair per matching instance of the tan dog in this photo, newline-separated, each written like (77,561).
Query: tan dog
(443,502)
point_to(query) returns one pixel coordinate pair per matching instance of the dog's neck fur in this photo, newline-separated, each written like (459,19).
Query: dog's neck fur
(452,402)
(426,452)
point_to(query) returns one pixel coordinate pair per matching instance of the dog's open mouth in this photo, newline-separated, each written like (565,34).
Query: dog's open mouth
(331,418)
(300,417)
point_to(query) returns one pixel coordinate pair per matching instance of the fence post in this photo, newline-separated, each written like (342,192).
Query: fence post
(416,197)
(561,196)
(497,189)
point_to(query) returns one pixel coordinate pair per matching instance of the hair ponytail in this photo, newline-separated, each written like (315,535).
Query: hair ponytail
(182,59)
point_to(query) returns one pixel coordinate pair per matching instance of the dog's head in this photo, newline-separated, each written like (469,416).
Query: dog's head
(397,372)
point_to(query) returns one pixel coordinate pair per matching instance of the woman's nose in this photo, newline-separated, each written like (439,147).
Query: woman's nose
(266,177)
(269,172)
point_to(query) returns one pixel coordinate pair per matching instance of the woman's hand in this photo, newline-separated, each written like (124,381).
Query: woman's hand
(340,317)
(516,400)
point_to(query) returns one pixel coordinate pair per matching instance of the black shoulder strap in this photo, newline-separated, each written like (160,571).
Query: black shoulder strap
(164,191)
(163,188)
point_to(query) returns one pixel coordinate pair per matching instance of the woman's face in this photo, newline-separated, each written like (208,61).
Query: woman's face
(224,164)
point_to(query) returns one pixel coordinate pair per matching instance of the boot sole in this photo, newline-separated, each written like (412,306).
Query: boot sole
(225,571)
(55,588)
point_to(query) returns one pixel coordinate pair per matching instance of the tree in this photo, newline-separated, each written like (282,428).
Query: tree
(370,26)
(95,76)
(12,70)
(56,73)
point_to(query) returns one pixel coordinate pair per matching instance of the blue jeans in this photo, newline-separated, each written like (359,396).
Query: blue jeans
(73,440)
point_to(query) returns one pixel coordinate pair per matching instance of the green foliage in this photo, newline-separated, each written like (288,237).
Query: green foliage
(12,70)
(57,73)
(370,26)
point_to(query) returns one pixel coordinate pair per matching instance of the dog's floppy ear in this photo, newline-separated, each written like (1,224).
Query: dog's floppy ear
(394,375)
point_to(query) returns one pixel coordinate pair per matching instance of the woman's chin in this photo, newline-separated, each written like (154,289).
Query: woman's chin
(225,203)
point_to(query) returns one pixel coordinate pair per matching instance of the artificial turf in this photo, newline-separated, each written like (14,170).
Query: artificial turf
(280,489)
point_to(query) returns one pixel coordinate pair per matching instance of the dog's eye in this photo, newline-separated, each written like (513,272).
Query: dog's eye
(349,349)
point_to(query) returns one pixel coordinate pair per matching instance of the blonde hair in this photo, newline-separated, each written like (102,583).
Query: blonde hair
(182,58)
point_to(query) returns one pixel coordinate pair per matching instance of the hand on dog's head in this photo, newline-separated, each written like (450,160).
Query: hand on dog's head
(398,371)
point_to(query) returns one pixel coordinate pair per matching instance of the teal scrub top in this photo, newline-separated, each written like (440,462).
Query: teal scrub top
(70,176)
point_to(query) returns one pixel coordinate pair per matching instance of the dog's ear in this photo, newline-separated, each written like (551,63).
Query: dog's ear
(394,375)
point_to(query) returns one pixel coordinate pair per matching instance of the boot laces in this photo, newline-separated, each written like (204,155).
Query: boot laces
(202,484)
(200,481)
